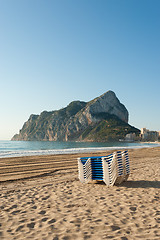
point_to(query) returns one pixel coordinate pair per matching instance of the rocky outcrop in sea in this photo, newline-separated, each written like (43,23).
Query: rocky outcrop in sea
(101,119)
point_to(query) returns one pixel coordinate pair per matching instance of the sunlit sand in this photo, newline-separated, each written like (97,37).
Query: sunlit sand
(49,202)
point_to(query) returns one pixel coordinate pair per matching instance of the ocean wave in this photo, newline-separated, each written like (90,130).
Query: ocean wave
(18,153)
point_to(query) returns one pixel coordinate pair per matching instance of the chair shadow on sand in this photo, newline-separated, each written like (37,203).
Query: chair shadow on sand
(135,184)
(141,184)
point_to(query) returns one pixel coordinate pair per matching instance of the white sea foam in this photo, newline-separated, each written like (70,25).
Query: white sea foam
(19,153)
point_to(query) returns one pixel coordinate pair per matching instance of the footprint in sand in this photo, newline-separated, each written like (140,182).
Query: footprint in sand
(53,220)
(19,228)
(31,225)
(14,206)
(157,220)
(42,212)
(133,209)
(115,227)
(34,207)
(15,212)
(157,212)
(44,219)
(45,198)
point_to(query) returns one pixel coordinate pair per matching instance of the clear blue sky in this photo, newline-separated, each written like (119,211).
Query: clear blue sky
(55,51)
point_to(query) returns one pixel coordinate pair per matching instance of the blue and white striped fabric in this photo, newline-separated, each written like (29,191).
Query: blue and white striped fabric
(125,159)
(111,169)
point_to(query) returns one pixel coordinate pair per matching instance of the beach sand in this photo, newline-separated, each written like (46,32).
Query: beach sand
(56,205)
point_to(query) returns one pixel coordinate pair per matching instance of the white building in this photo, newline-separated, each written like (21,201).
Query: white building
(147,135)
(130,137)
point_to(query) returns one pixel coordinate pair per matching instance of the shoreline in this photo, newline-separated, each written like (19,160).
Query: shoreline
(75,150)
(25,167)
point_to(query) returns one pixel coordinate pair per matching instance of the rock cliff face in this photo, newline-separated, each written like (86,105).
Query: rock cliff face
(77,121)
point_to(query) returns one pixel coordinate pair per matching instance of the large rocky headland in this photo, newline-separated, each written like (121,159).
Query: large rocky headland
(104,118)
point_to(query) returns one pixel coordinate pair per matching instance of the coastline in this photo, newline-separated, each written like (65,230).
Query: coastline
(25,148)
(56,205)
(24,167)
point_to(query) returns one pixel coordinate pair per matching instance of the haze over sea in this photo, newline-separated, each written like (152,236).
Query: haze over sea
(31,148)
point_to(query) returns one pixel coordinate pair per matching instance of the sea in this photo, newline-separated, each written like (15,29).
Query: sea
(32,148)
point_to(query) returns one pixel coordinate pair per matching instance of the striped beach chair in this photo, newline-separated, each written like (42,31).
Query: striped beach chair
(126,167)
(90,169)
(112,169)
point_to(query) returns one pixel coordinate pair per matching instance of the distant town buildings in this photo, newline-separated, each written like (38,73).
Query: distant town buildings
(147,135)
(130,137)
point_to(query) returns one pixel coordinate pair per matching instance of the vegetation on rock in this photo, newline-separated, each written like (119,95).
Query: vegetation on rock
(102,119)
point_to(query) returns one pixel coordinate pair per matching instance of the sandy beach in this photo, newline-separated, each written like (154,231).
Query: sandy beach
(42,198)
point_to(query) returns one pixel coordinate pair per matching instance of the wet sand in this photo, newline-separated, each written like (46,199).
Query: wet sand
(42,198)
